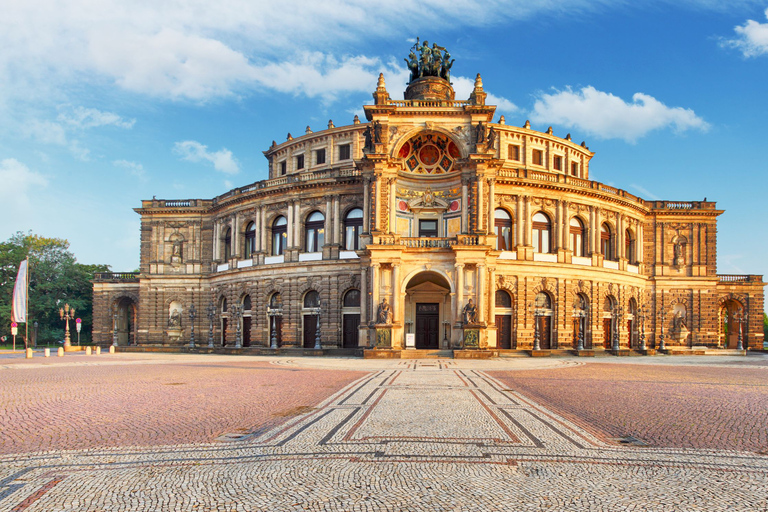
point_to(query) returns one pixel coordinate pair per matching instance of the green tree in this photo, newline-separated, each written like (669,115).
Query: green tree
(55,279)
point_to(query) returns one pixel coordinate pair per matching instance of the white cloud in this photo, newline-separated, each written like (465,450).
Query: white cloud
(193,151)
(751,38)
(134,168)
(610,117)
(464,86)
(46,132)
(17,180)
(82,117)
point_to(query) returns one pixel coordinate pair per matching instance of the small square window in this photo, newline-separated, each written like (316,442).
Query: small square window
(300,162)
(344,152)
(557,163)
(320,156)
(283,168)
(513,152)
(538,157)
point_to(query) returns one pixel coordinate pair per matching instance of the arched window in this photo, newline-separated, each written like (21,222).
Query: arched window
(228,244)
(503,299)
(247,303)
(542,233)
(503,226)
(543,301)
(629,247)
(312,299)
(577,237)
(315,232)
(250,240)
(606,242)
(275,301)
(223,304)
(279,235)
(353,224)
(352,299)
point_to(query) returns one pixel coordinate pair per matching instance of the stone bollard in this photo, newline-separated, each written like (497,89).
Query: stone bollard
(98,351)
(111,349)
(61,352)
(28,353)
(47,352)
(87,351)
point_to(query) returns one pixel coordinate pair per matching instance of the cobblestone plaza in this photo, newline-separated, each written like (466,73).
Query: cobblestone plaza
(210,432)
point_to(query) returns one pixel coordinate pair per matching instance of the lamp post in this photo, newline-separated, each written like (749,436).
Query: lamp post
(114,326)
(580,312)
(66,313)
(273,314)
(318,344)
(192,315)
(617,314)
(237,314)
(78,326)
(642,327)
(211,311)
(14,332)
(536,341)
(661,336)
(740,317)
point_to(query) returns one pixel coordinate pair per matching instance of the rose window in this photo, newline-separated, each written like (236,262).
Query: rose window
(429,153)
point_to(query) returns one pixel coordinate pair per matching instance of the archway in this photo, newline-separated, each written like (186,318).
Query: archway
(350,314)
(609,308)
(543,314)
(126,320)
(427,307)
(505,338)
(730,310)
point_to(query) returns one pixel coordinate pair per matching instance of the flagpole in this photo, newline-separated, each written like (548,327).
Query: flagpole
(26,310)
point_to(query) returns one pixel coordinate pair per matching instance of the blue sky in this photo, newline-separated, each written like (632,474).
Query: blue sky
(102,105)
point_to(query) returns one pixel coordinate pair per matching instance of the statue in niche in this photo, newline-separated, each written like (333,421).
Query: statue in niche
(678,322)
(174,320)
(176,254)
(491,141)
(480,133)
(470,313)
(377,132)
(679,257)
(384,313)
(429,197)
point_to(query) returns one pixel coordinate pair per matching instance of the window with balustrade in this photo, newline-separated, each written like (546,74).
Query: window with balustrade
(503,229)
(250,240)
(353,223)
(279,236)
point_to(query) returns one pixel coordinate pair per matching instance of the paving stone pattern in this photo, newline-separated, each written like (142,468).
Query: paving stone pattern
(407,435)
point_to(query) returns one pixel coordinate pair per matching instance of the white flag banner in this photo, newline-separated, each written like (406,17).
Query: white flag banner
(19,314)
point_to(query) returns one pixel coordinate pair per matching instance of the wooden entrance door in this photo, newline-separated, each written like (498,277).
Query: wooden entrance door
(246,331)
(350,331)
(545,333)
(224,332)
(607,333)
(504,331)
(632,342)
(310,330)
(428,326)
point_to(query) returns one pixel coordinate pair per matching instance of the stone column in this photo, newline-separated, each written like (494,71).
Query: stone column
(566,225)
(639,243)
(479,223)
(459,291)
(364,296)
(236,236)
(289,237)
(591,234)
(328,221)
(375,282)
(377,203)
(620,249)
(491,205)
(519,221)
(464,207)
(297,223)
(216,240)
(392,205)
(396,297)
(491,294)
(481,291)
(336,221)
(557,238)
(527,220)
(264,229)
(366,205)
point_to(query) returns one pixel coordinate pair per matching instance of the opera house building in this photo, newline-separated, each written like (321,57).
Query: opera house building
(435,226)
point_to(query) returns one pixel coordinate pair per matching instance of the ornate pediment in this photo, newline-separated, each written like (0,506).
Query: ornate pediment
(428,202)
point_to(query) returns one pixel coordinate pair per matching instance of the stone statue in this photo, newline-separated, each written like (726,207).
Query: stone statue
(679,323)
(679,259)
(174,321)
(470,313)
(176,255)
(445,71)
(377,132)
(384,313)
(491,140)
(413,65)
(368,135)
(480,133)
(429,197)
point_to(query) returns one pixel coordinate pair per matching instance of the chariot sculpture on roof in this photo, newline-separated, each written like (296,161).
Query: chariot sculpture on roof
(434,61)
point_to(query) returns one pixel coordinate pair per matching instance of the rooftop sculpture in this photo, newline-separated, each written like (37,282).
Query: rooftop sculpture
(434,61)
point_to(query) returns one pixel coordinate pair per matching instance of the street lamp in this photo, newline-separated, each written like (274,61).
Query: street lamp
(618,312)
(740,318)
(661,336)
(78,326)
(192,315)
(642,327)
(237,314)
(114,326)
(536,312)
(318,344)
(580,312)
(66,313)
(211,310)
(273,314)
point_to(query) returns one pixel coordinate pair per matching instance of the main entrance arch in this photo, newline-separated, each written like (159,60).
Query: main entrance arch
(126,321)
(427,310)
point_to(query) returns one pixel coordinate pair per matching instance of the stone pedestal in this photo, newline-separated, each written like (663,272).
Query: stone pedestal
(471,337)
(383,336)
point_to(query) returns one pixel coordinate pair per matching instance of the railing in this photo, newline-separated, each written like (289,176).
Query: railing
(116,277)
(428,242)
(428,103)
(734,278)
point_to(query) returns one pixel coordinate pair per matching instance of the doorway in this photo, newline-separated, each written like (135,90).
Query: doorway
(504,331)
(351,330)
(428,326)
(310,330)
